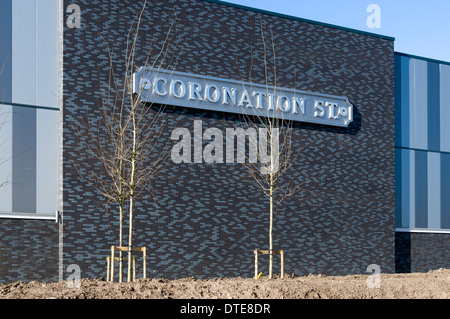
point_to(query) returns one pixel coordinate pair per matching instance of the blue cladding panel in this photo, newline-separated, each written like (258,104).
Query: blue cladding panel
(445,191)
(406,191)
(421,190)
(5,50)
(398,187)
(398,99)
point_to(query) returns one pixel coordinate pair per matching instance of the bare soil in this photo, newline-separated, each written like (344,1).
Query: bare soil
(432,285)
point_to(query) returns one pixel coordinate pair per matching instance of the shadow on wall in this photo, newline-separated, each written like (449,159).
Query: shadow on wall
(403,252)
(352,129)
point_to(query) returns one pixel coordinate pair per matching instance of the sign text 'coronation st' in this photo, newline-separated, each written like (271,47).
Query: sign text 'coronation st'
(216,94)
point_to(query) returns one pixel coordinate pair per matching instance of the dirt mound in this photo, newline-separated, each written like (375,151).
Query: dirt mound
(431,285)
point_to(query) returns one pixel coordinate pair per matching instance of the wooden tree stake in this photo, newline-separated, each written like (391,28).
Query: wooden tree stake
(267,252)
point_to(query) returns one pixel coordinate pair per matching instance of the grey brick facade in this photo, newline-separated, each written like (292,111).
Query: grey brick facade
(421,252)
(29,250)
(208,220)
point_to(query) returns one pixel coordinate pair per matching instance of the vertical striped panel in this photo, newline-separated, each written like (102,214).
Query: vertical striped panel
(421,189)
(444,93)
(434,190)
(422,169)
(445,191)
(418,104)
(433,94)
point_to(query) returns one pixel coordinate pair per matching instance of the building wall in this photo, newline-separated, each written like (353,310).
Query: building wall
(423,159)
(422,149)
(29,139)
(29,115)
(208,220)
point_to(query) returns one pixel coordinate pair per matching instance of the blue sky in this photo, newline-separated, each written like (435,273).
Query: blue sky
(419,27)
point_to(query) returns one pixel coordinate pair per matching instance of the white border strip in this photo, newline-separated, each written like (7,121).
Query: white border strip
(422,230)
(53,216)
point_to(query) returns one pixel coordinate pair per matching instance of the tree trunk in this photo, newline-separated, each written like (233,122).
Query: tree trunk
(131,186)
(130,235)
(121,204)
(120,242)
(271,228)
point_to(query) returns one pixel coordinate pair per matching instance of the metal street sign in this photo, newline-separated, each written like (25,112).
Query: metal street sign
(216,94)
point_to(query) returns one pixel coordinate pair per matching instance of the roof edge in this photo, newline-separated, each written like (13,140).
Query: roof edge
(285,16)
(422,58)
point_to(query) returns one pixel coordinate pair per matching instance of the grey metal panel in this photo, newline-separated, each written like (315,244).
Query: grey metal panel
(47,53)
(47,161)
(433,96)
(445,107)
(5,110)
(24,160)
(434,190)
(24,56)
(5,158)
(418,102)
(405,104)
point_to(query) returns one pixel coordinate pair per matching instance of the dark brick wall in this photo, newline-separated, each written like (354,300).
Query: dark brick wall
(28,250)
(208,219)
(421,252)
